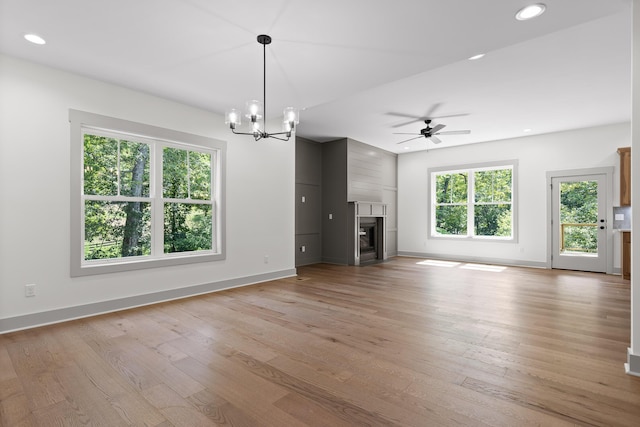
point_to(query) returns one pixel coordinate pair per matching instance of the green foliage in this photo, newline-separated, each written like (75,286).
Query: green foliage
(100,165)
(134,169)
(579,202)
(492,186)
(492,194)
(175,168)
(579,205)
(187,227)
(186,174)
(105,229)
(492,220)
(116,229)
(200,175)
(451,188)
(451,219)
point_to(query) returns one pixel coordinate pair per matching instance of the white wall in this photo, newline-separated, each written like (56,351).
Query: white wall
(34,193)
(583,148)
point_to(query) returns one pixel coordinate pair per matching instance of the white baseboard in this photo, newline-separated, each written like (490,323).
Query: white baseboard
(33,320)
(632,367)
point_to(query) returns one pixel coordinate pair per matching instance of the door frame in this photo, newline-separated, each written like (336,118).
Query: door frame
(608,172)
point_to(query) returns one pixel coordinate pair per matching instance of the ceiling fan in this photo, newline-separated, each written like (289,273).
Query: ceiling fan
(431,132)
(431,114)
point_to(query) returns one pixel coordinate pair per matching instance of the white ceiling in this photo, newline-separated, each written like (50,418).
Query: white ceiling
(349,63)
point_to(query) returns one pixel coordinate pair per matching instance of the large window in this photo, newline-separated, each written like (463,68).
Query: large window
(474,202)
(143,196)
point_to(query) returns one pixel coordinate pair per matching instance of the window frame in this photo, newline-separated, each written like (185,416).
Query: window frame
(470,169)
(158,138)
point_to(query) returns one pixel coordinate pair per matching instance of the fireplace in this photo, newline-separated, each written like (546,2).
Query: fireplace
(368,239)
(369,231)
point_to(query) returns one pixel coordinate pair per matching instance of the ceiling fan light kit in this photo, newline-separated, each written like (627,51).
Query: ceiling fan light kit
(256,110)
(431,132)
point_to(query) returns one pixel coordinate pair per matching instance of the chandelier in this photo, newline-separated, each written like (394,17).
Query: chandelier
(256,110)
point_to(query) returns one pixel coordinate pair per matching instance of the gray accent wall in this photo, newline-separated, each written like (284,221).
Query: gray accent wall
(328,176)
(308,227)
(335,220)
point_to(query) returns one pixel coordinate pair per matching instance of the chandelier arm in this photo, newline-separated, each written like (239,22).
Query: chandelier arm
(241,133)
(273,135)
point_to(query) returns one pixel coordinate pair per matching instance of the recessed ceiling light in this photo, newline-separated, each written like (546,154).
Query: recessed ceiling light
(406,148)
(34,38)
(526,130)
(530,12)
(474,57)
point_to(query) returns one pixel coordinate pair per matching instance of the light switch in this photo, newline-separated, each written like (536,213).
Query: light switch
(304,199)
(330,216)
(619,217)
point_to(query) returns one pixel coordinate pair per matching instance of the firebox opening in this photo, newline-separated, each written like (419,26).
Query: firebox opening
(368,232)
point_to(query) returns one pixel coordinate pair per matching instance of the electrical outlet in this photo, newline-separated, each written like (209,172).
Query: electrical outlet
(266,259)
(30,290)
(303,248)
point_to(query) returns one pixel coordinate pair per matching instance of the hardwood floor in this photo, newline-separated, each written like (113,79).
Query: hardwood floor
(407,342)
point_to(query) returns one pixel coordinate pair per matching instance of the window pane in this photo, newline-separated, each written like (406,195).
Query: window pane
(579,238)
(451,220)
(187,227)
(116,230)
(174,173)
(493,186)
(451,188)
(134,169)
(100,165)
(579,202)
(492,220)
(200,175)
(579,216)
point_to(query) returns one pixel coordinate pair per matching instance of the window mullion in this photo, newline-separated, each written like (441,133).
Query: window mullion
(470,203)
(118,169)
(157,204)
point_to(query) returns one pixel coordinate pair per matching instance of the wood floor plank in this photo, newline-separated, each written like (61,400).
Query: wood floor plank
(220,411)
(408,342)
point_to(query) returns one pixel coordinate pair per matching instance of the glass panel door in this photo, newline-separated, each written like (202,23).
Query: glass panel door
(579,225)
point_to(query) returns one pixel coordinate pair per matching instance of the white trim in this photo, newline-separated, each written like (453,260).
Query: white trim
(34,320)
(471,168)
(632,367)
(608,172)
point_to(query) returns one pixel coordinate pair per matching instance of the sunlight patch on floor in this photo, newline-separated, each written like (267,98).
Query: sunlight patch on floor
(468,266)
(484,267)
(438,263)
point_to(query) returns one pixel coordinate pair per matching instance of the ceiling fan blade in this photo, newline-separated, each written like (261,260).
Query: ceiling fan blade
(449,115)
(432,110)
(410,139)
(413,118)
(406,116)
(454,132)
(435,139)
(437,128)
(406,133)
